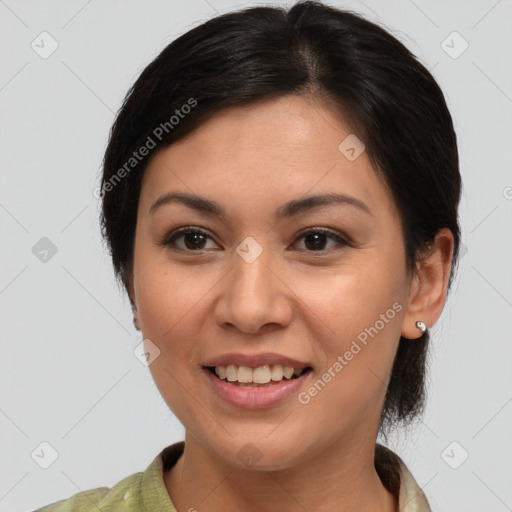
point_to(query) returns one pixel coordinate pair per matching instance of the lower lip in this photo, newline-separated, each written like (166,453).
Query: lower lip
(257,397)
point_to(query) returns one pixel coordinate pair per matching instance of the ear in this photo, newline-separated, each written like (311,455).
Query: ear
(429,285)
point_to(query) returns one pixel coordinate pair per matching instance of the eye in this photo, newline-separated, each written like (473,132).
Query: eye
(193,238)
(315,239)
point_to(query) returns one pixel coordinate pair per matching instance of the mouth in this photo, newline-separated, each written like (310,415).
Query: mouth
(262,387)
(262,376)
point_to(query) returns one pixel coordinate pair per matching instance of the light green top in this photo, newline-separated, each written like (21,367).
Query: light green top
(146,491)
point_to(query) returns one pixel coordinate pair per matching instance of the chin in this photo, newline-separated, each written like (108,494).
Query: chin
(255,453)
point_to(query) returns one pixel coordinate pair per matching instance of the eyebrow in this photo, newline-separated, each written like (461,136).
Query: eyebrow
(287,210)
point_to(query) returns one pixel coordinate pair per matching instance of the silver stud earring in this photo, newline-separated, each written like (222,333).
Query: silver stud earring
(421,326)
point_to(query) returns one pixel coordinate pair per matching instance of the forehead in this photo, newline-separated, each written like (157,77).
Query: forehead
(264,153)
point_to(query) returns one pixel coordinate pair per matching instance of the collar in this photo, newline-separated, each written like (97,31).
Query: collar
(398,480)
(391,469)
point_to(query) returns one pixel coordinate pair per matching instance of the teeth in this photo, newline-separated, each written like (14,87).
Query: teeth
(220,371)
(232,373)
(244,374)
(288,372)
(261,375)
(277,372)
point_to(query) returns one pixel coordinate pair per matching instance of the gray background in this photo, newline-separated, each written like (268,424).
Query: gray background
(68,375)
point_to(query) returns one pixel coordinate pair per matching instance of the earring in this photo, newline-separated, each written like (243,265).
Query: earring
(421,326)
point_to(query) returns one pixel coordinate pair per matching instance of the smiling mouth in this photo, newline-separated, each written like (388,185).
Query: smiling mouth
(233,380)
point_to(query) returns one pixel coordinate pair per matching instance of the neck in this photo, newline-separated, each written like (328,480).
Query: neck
(342,479)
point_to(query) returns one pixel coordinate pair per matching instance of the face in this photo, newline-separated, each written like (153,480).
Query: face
(263,277)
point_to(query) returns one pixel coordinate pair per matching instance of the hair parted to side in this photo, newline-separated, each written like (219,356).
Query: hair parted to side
(390,100)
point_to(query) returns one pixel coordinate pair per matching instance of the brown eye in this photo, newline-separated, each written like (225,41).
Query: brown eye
(316,240)
(193,239)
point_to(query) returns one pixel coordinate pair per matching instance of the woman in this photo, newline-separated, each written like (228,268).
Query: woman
(280,195)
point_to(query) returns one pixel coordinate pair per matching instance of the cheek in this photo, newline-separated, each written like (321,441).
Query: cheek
(358,338)
(356,318)
(169,310)
(350,299)
(165,291)
(166,302)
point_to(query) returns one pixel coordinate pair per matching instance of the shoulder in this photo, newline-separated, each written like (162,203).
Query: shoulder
(144,491)
(116,498)
(82,501)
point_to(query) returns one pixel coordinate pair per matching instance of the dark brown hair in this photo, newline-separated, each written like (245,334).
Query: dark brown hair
(387,96)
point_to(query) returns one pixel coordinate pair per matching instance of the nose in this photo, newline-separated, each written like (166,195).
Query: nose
(254,297)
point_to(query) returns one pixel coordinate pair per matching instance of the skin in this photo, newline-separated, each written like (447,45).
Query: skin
(199,299)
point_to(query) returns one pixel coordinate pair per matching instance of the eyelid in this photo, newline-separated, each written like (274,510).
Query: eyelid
(340,238)
(325,231)
(174,234)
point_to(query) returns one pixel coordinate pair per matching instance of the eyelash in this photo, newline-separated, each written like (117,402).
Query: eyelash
(170,239)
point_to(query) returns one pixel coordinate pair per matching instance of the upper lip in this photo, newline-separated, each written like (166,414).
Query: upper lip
(255,360)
